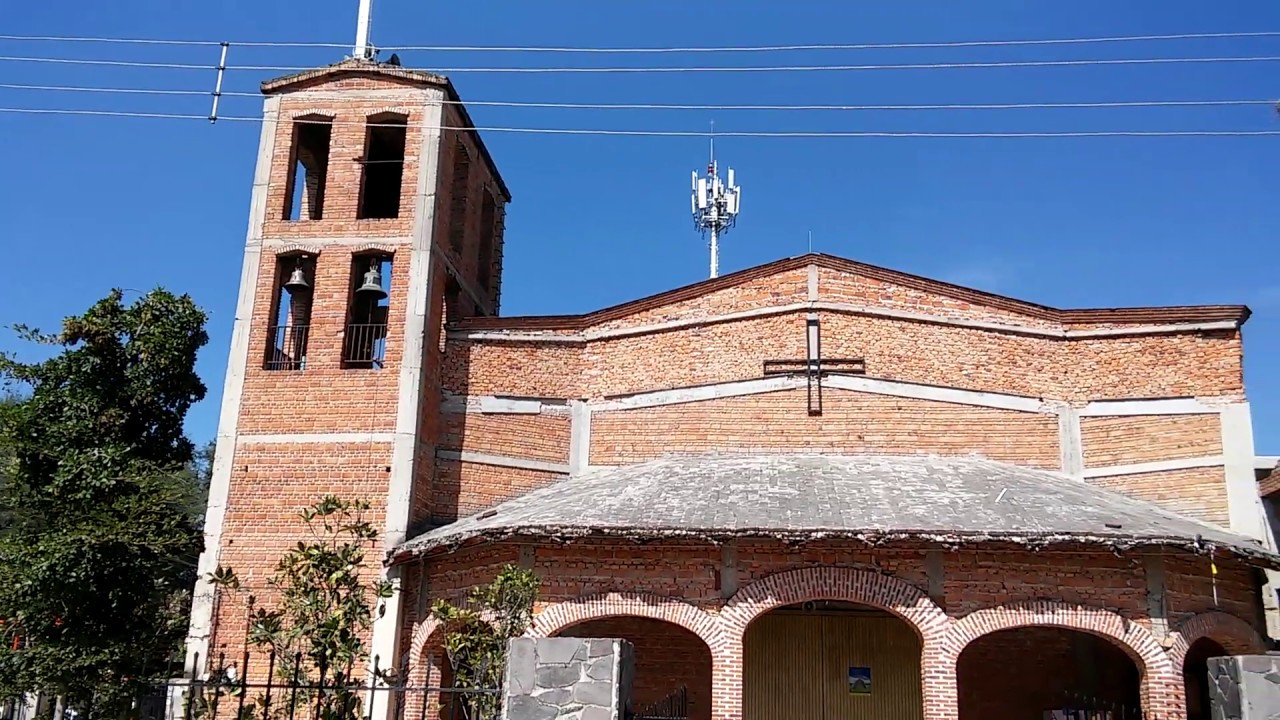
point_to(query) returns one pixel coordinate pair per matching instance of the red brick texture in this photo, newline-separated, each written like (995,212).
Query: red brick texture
(850,423)
(907,330)
(1129,440)
(589,581)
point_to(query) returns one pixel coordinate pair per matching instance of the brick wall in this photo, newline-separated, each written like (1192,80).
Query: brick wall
(1017,674)
(460,489)
(1127,440)
(270,482)
(850,423)
(1041,661)
(666,658)
(1200,493)
(973,579)
(537,437)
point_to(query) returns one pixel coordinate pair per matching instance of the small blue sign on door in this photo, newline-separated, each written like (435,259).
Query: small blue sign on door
(859,681)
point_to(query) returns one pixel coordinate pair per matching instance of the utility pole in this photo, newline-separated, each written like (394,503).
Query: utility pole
(363,50)
(715,206)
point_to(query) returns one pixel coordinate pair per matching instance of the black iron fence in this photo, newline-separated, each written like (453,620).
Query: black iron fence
(287,348)
(296,688)
(365,345)
(675,706)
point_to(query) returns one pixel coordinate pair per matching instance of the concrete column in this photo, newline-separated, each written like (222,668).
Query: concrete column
(202,603)
(1069,442)
(419,293)
(579,436)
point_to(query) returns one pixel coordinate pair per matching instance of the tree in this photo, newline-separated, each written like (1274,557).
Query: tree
(315,632)
(476,636)
(101,537)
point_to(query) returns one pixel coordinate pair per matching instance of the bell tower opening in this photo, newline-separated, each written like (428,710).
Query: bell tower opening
(309,166)
(290,324)
(383,174)
(365,344)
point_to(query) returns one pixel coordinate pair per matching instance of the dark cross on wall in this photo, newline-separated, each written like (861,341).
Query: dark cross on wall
(814,367)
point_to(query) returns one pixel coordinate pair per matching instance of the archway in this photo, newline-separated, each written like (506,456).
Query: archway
(1027,671)
(672,665)
(831,660)
(1195,676)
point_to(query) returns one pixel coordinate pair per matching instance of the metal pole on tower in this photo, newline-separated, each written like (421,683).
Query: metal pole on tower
(362,48)
(715,205)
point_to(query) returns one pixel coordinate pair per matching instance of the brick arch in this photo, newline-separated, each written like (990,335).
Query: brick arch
(1235,636)
(833,583)
(297,249)
(1160,687)
(1134,639)
(421,636)
(372,249)
(562,615)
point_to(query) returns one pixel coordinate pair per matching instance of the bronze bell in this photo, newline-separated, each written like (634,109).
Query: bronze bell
(297,281)
(372,287)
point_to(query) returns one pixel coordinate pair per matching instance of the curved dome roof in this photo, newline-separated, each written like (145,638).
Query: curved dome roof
(874,498)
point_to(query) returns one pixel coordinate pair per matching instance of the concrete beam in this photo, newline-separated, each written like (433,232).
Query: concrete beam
(697,394)
(839,308)
(315,438)
(202,604)
(1170,406)
(509,406)
(841,382)
(504,461)
(955,396)
(1153,467)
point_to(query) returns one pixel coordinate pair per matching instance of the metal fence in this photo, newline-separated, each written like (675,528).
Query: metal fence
(297,689)
(365,345)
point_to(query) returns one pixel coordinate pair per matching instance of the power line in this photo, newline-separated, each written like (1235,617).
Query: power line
(680,106)
(148,41)
(687,69)
(692,133)
(650,50)
(838,46)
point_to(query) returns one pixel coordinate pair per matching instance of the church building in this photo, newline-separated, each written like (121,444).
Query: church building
(808,490)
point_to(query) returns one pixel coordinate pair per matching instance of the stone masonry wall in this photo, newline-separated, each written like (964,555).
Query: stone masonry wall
(567,679)
(1245,687)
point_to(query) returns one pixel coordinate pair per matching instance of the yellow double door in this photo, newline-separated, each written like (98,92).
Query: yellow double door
(831,666)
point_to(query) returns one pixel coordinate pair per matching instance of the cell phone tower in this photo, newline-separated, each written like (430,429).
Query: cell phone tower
(715,206)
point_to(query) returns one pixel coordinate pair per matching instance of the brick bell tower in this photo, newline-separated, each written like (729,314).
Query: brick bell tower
(376,214)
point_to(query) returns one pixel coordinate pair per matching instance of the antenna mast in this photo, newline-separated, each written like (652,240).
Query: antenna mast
(715,205)
(363,50)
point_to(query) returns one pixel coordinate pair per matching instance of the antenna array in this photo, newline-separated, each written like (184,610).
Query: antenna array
(715,206)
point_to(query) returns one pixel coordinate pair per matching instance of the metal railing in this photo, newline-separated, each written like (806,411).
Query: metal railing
(365,345)
(675,706)
(295,688)
(287,349)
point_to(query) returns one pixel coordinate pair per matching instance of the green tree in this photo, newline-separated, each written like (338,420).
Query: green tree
(101,538)
(324,610)
(476,634)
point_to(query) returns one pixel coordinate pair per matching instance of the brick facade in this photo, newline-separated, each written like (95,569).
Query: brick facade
(466,410)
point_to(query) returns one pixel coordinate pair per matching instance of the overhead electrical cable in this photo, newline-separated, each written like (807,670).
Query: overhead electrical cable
(650,50)
(691,133)
(682,106)
(687,69)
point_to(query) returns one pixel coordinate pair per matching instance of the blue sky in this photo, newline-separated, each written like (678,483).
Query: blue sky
(598,220)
